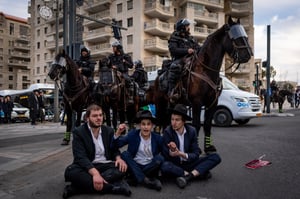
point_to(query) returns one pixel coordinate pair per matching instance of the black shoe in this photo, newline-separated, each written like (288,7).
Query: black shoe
(153,183)
(121,188)
(69,191)
(210,149)
(205,176)
(181,182)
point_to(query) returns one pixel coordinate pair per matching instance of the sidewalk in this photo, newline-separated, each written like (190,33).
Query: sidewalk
(22,144)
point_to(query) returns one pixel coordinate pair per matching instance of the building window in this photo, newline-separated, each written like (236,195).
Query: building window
(10,77)
(38,20)
(10,86)
(130,22)
(45,69)
(23,30)
(129,39)
(37,81)
(45,56)
(24,78)
(119,8)
(11,29)
(38,32)
(38,45)
(38,57)
(46,30)
(11,69)
(129,5)
(45,43)
(37,70)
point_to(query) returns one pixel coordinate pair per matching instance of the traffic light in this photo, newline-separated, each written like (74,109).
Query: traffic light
(254,83)
(264,64)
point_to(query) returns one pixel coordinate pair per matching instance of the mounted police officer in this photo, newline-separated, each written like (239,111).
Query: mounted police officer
(181,44)
(139,75)
(86,65)
(121,62)
(274,88)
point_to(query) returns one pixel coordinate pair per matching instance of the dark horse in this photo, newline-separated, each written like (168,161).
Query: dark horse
(200,77)
(108,92)
(111,95)
(278,97)
(75,92)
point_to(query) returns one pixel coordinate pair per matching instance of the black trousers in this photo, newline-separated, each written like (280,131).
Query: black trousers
(83,181)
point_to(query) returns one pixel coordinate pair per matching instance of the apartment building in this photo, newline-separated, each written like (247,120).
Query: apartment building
(149,24)
(14,52)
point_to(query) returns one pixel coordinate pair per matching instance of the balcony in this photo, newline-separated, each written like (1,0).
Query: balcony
(103,49)
(98,35)
(156,10)
(101,16)
(22,46)
(157,27)
(23,39)
(52,44)
(213,5)
(20,55)
(52,30)
(96,5)
(19,64)
(238,9)
(205,17)
(153,61)
(155,44)
(202,32)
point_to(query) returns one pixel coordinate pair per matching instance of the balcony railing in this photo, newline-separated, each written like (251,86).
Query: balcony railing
(206,16)
(101,49)
(156,44)
(98,16)
(157,27)
(156,9)
(99,34)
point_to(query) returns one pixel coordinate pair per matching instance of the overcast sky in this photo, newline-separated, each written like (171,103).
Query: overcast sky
(282,15)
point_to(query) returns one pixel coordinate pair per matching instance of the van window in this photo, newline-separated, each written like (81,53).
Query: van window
(228,85)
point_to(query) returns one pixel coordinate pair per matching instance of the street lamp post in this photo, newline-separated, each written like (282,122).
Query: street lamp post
(56,92)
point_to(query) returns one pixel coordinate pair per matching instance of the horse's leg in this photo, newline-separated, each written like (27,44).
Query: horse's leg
(196,117)
(208,116)
(280,104)
(115,115)
(78,118)
(67,135)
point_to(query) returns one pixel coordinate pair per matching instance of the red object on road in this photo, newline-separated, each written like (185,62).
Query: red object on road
(257,163)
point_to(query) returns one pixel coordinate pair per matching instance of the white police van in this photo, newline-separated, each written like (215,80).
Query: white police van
(233,104)
(236,105)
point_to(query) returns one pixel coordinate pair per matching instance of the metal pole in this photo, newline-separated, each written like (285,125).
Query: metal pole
(268,68)
(56,93)
(256,80)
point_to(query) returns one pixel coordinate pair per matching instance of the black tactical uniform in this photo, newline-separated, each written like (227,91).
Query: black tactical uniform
(121,61)
(139,74)
(180,45)
(86,65)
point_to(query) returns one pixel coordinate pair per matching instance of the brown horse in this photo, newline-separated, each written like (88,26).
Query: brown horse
(75,92)
(200,78)
(278,97)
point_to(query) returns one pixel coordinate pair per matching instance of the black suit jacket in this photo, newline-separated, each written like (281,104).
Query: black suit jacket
(84,148)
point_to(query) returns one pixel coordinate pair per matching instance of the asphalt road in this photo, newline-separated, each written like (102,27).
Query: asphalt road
(276,137)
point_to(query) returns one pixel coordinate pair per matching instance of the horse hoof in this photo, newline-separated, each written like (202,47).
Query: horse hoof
(65,142)
(210,149)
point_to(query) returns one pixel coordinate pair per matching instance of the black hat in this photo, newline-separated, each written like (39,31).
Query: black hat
(36,90)
(181,109)
(145,114)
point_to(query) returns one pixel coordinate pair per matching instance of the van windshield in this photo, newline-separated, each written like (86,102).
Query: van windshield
(228,85)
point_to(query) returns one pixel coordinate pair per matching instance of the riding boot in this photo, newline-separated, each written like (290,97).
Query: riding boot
(208,147)
(67,137)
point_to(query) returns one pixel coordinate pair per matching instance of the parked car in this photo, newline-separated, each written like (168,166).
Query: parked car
(20,113)
(48,114)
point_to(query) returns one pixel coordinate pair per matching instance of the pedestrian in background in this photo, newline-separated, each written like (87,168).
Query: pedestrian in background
(41,105)
(1,109)
(7,108)
(34,106)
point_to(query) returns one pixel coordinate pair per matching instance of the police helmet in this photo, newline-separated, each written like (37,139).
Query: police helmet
(117,44)
(138,63)
(181,24)
(83,48)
